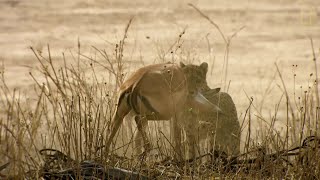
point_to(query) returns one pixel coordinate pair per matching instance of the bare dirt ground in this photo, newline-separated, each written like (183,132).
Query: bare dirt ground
(275,31)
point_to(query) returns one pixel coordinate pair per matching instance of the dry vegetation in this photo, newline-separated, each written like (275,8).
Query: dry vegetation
(70,102)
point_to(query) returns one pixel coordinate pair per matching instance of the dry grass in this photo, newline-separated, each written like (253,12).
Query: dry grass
(74,104)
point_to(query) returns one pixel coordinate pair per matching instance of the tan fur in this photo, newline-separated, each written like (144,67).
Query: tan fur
(222,130)
(160,92)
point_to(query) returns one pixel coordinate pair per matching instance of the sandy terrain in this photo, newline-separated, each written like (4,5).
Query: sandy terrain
(275,31)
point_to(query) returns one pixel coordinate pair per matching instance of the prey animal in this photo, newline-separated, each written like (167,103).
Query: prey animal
(161,92)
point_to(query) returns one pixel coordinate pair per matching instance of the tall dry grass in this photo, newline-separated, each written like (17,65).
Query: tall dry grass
(71,105)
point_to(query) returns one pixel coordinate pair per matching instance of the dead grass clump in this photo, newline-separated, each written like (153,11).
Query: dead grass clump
(69,110)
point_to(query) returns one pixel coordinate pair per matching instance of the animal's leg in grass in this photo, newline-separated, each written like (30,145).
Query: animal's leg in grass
(121,111)
(176,130)
(142,125)
(138,142)
(191,143)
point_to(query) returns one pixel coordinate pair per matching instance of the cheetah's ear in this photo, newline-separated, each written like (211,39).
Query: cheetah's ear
(204,66)
(216,90)
(212,92)
(182,64)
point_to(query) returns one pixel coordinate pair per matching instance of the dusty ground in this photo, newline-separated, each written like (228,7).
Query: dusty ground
(275,31)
